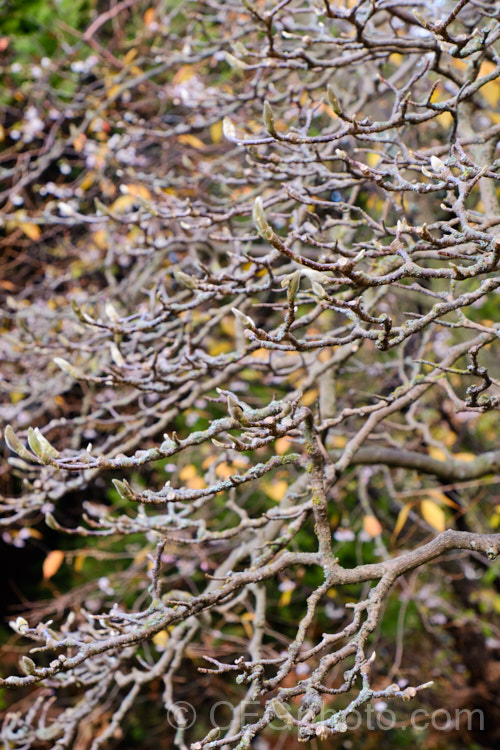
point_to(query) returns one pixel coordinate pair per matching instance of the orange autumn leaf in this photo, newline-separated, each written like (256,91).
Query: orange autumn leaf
(196,483)
(187,472)
(52,563)
(372,526)
(282,445)
(184,73)
(276,490)
(223,470)
(136,190)
(149,16)
(31,230)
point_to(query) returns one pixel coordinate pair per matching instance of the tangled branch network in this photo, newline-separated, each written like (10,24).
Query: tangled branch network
(272,275)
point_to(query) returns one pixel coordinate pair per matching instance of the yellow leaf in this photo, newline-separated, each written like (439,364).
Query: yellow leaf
(31,230)
(285,598)
(123,203)
(445,120)
(131,55)
(490,90)
(216,132)
(187,472)
(440,497)
(227,325)
(52,563)
(401,519)
(433,514)
(495,520)
(141,556)
(160,639)
(16,396)
(464,456)
(339,441)
(437,453)
(396,58)
(276,490)
(219,347)
(449,438)
(372,158)
(372,526)
(78,563)
(247,627)
(100,239)
(87,181)
(261,353)
(188,139)
(310,397)
(114,91)
(438,95)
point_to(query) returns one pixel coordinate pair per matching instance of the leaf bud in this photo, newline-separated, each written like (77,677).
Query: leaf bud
(293,286)
(281,711)
(40,445)
(184,280)
(437,165)
(234,409)
(15,444)
(259,218)
(27,665)
(123,488)
(20,625)
(245,320)
(228,129)
(333,101)
(318,290)
(269,118)
(65,367)
(235,62)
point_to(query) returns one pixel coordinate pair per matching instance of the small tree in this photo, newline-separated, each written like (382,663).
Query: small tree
(277,226)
